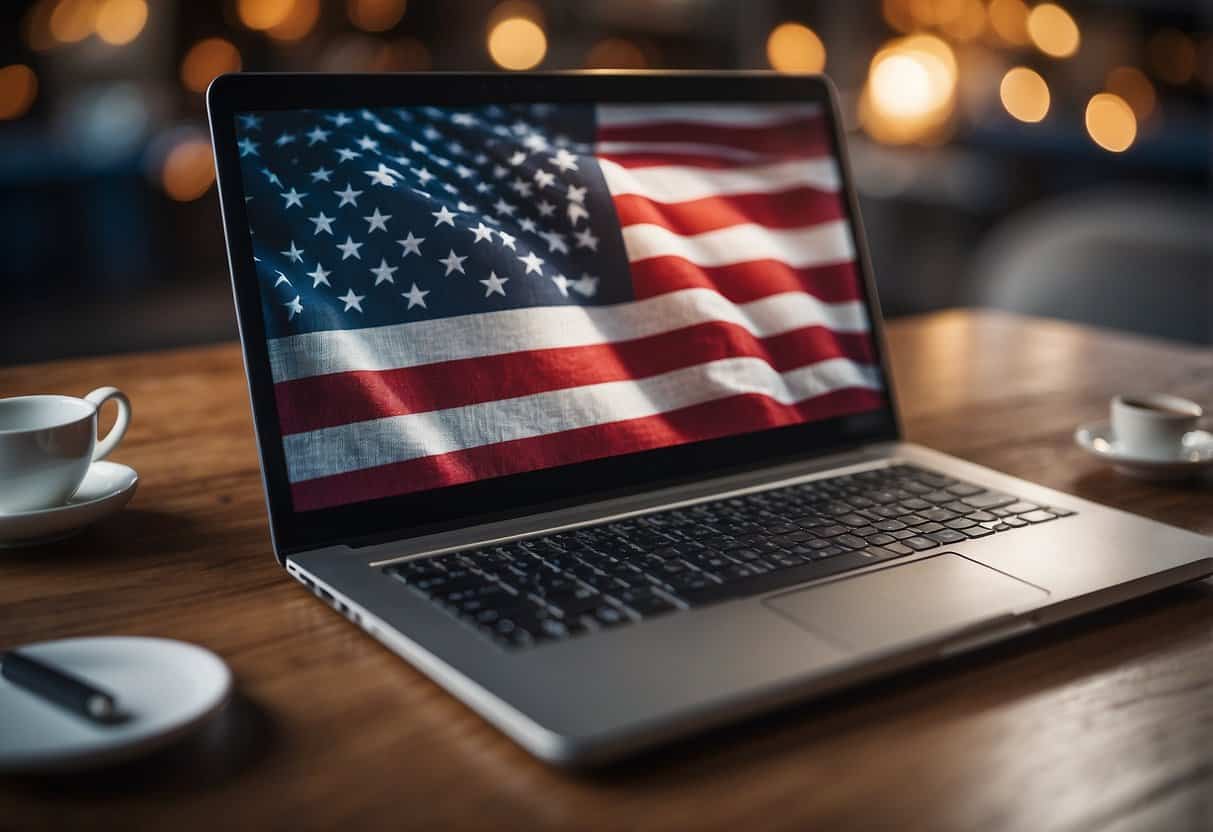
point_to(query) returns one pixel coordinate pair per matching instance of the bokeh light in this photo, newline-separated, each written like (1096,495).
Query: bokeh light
(18,89)
(1024,94)
(969,24)
(910,93)
(375,15)
(120,21)
(264,14)
(1053,30)
(1172,56)
(794,47)
(616,53)
(403,55)
(298,23)
(517,43)
(206,59)
(1110,122)
(1131,84)
(1009,20)
(73,20)
(189,170)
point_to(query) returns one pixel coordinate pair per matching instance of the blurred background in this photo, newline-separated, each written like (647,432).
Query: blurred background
(1052,159)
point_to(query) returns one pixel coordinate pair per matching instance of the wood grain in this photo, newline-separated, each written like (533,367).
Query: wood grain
(1104,723)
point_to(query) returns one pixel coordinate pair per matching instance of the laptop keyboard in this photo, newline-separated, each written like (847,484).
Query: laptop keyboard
(568,584)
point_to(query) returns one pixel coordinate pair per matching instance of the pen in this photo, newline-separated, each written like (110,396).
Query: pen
(57,686)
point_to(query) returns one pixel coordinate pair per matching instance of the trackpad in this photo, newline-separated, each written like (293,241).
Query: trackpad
(907,603)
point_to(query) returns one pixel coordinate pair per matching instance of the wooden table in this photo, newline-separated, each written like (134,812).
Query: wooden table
(1105,723)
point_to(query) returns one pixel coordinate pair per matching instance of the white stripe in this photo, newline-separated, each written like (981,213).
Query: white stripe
(817,245)
(514,330)
(680,183)
(720,115)
(343,448)
(721,151)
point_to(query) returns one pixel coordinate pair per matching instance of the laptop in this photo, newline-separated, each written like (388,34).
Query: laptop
(571,390)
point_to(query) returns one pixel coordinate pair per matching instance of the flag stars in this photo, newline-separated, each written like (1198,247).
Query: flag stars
(321,174)
(503,207)
(555,241)
(586,239)
(464,119)
(348,197)
(367,143)
(494,284)
(465,207)
(535,142)
(423,175)
(576,194)
(521,188)
(377,221)
(352,301)
(349,248)
(562,283)
(284,139)
(431,134)
(517,158)
(345,154)
(282,279)
(248,147)
(294,307)
(292,197)
(563,160)
(463,171)
(319,276)
(317,134)
(453,263)
(545,208)
(443,217)
(383,175)
(415,296)
(507,240)
(411,244)
(499,171)
(545,179)
(527,224)
(250,121)
(340,120)
(294,254)
(323,223)
(586,285)
(532,263)
(383,272)
(577,213)
(272,177)
(482,232)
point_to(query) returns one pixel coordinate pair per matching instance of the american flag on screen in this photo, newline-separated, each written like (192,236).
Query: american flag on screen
(452,294)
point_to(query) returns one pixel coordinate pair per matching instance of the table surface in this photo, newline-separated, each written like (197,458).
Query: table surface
(1101,723)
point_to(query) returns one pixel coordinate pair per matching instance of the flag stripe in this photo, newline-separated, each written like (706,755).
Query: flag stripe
(340,398)
(828,242)
(711,420)
(348,447)
(746,282)
(513,330)
(794,208)
(637,153)
(678,183)
(699,116)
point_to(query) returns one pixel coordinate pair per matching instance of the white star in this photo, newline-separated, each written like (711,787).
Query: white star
(377,220)
(527,224)
(455,148)
(295,255)
(292,197)
(586,239)
(483,187)
(464,119)
(401,160)
(282,279)
(442,161)
(555,241)
(520,127)
(449,188)
(494,284)
(251,122)
(463,206)
(384,128)
(295,307)
(284,139)
(518,158)
(341,119)
(412,245)
(535,142)
(383,175)
(480,158)
(431,134)
(577,212)
(520,187)
(544,179)
(321,174)
(319,276)
(383,272)
(367,143)
(248,147)
(417,147)
(348,197)
(349,248)
(463,171)
(346,154)
(272,177)
(507,240)
(482,232)
(503,207)
(416,296)
(586,285)
(545,208)
(442,215)
(499,171)
(576,194)
(423,175)
(453,263)
(317,135)
(532,263)
(323,223)
(352,301)
(564,160)
(562,283)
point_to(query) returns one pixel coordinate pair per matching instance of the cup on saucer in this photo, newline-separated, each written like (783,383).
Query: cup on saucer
(1152,436)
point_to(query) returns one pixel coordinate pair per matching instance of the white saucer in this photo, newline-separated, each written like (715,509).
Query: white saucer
(107,487)
(1194,457)
(164,690)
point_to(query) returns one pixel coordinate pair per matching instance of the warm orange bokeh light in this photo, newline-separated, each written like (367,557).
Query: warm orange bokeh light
(375,15)
(206,59)
(264,14)
(794,47)
(1024,94)
(911,90)
(969,24)
(517,43)
(1009,20)
(615,53)
(73,20)
(404,55)
(299,21)
(189,170)
(1110,122)
(120,21)
(1053,30)
(1131,84)
(18,89)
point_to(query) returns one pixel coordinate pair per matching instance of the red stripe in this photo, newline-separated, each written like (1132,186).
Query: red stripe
(790,140)
(341,398)
(710,420)
(650,159)
(795,208)
(745,282)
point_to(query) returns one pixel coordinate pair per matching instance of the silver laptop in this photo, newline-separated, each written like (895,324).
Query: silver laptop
(571,390)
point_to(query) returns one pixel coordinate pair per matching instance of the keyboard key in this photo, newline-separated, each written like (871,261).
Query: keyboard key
(1037,516)
(978,531)
(1021,507)
(644,601)
(608,616)
(947,536)
(1060,512)
(920,544)
(964,489)
(989,499)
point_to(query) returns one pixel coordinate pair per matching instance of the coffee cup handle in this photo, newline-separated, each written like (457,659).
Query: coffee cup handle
(99,397)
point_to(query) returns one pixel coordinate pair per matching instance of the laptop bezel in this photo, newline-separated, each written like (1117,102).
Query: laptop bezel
(378,521)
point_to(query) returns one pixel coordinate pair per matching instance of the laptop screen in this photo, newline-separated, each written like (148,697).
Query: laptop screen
(456,294)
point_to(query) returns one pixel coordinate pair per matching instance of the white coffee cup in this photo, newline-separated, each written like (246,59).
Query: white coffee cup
(47,444)
(1153,425)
